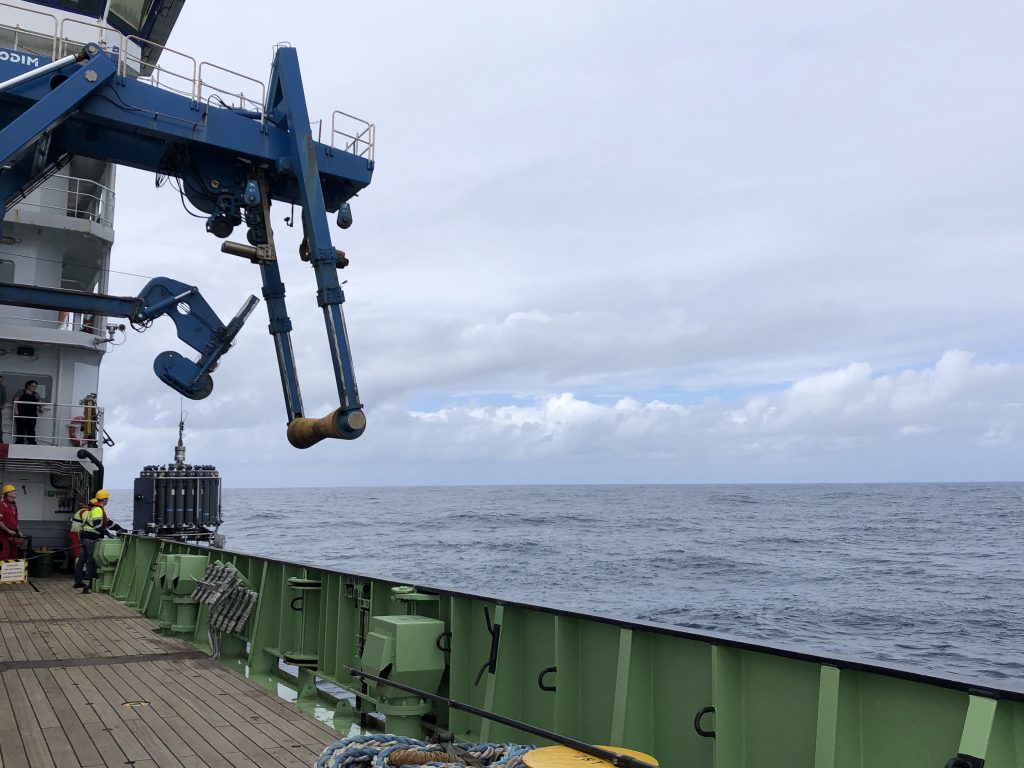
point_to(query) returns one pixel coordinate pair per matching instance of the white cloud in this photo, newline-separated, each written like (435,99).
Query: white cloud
(831,410)
(606,242)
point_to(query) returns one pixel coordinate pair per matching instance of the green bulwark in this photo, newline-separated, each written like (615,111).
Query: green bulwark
(690,700)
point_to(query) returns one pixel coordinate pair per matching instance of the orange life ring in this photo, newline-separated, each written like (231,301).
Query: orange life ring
(76,431)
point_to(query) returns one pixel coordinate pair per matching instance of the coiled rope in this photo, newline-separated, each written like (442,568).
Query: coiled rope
(381,750)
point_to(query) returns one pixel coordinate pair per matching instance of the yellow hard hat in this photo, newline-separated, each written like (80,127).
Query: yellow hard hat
(102,494)
(7,489)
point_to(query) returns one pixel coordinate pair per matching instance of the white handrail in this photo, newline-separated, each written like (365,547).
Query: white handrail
(158,70)
(359,139)
(104,30)
(244,102)
(58,424)
(82,198)
(17,29)
(81,322)
(362,143)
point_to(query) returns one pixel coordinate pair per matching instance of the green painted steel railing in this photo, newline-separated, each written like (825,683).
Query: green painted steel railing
(598,679)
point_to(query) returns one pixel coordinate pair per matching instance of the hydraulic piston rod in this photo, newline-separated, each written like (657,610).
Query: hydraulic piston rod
(32,74)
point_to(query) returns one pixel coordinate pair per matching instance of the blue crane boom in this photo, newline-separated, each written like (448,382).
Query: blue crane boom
(232,163)
(199,327)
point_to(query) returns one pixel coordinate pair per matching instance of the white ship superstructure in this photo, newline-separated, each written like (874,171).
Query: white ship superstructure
(60,236)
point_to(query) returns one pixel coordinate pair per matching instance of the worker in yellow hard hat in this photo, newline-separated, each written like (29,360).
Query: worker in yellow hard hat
(95,525)
(75,536)
(10,533)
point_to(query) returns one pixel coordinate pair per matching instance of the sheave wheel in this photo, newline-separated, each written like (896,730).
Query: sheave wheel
(206,387)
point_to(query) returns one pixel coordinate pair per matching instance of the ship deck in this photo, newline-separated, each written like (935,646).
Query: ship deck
(86,681)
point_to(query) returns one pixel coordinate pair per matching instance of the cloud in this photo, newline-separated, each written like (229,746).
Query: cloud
(830,420)
(829,411)
(651,243)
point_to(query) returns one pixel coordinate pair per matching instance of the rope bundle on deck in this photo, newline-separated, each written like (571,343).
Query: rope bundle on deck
(378,750)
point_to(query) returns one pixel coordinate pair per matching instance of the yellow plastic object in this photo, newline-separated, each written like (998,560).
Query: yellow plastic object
(102,494)
(567,757)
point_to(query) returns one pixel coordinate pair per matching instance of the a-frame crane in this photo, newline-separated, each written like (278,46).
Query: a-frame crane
(231,162)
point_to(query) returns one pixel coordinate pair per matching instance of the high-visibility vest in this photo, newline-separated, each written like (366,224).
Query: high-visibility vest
(92,521)
(77,518)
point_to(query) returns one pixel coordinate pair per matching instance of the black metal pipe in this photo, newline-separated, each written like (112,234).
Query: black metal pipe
(614,758)
(98,474)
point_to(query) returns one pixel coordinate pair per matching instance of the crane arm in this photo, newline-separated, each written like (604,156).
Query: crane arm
(197,324)
(232,163)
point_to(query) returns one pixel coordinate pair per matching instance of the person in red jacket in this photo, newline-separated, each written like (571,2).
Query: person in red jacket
(10,533)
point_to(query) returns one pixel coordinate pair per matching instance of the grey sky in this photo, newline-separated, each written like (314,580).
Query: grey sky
(625,242)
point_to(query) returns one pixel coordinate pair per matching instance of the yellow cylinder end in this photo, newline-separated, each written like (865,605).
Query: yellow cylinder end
(567,757)
(305,432)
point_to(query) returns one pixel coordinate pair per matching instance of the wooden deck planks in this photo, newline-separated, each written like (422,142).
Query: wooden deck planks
(74,729)
(36,750)
(210,734)
(128,696)
(12,749)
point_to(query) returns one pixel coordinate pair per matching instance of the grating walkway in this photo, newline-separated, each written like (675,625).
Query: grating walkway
(86,681)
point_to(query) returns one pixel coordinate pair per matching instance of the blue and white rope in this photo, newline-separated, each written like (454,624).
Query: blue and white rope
(372,751)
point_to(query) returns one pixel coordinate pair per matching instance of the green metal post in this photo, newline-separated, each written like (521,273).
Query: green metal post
(489,679)
(262,662)
(828,718)
(306,602)
(727,694)
(621,687)
(981,714)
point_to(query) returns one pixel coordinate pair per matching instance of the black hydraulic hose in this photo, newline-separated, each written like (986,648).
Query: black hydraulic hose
(98,475)
(492,662)
(607,755)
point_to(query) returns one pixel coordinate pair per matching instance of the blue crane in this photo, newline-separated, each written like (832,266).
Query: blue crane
(232,163)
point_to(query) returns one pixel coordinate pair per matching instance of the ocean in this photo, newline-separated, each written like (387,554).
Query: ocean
(923,575)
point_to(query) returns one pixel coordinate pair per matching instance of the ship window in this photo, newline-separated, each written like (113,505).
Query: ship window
(6,271)
(90,8)
(128,15)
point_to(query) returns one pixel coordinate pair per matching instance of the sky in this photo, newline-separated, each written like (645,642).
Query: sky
(610,242)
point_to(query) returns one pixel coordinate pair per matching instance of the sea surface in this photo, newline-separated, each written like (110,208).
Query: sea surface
(923,575)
